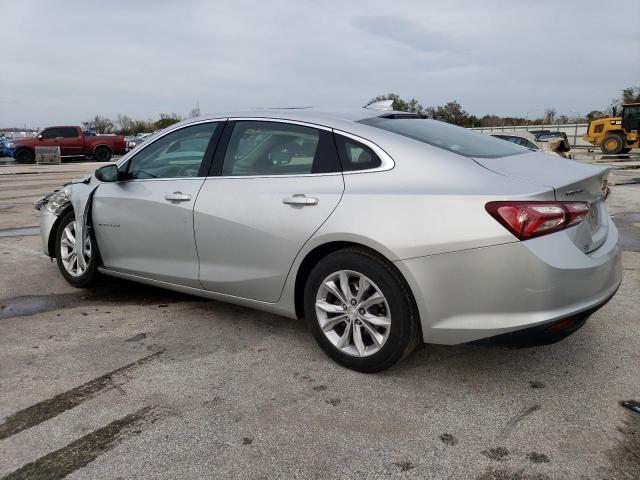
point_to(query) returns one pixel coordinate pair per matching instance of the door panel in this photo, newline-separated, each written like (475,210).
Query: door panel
(70,143)
(141,232)
(247,237)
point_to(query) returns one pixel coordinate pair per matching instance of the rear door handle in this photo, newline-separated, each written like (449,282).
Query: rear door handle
(177,197)
(299,199)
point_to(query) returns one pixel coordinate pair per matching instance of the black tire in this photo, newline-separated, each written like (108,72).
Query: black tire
(625,150)
(25,156)
(102,154)
(612,144)
(91,274)
(404,334)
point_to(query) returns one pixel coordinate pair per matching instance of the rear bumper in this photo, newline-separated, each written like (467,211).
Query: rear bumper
(485,292)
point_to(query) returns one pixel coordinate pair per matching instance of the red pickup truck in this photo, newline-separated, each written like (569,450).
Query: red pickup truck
(72,143)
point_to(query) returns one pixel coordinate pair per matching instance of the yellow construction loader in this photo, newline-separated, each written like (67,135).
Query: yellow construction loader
(616,134)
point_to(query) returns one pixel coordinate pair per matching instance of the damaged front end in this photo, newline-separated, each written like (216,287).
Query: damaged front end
(78,196)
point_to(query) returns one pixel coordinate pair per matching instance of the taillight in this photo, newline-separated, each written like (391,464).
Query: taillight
(533,219)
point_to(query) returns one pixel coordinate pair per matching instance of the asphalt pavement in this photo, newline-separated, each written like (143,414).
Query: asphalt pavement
(129,381)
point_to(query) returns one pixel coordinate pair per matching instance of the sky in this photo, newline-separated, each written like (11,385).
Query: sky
(65,61)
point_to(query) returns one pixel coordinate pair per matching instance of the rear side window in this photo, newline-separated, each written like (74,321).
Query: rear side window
(278,148)
(356,156)
(68,132)
(446,136)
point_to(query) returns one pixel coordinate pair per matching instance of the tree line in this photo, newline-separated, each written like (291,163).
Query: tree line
(452,112)
(125,125)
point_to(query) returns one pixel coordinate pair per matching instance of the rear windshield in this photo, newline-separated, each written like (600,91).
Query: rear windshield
(448,137)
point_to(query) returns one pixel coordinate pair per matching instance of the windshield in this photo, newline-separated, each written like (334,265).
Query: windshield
(448,137)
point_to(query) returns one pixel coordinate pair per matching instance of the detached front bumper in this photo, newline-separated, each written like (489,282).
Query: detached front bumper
(47,220)
(479,293)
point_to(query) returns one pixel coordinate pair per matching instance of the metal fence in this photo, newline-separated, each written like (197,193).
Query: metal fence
(574,131)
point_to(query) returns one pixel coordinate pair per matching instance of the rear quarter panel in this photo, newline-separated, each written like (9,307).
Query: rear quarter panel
(114,142)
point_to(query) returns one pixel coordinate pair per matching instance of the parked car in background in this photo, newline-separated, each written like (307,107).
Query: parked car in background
(553,144)
(72,142)
(381,229)
(135,140)
(4,140)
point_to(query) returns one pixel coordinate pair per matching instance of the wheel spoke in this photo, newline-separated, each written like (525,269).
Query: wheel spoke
(376,336)
(66,243)
(329,307)
(363,285)
(344,339)
(69,236)
(374,299)
(67,256)
(344,286)
(376,320)
(330,323)
(333,288)
(357,339)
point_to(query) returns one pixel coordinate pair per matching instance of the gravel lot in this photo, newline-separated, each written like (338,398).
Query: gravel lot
(128,381)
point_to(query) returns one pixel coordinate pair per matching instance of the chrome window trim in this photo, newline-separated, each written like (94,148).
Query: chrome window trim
(387,163)
(280,120)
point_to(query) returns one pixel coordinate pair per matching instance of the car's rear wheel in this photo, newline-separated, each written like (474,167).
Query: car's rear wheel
(25,156)
(360,310)
(67,253)
(612,144)
(102,154)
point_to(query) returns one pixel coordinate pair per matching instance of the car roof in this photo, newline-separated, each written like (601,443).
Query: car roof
(325,117)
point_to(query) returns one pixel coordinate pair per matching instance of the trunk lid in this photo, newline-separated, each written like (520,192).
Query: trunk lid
(572,182)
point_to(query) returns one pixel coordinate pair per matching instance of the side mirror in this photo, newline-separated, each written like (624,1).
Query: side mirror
(39,137)
(108,173)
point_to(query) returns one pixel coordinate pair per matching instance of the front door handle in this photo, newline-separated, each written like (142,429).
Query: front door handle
(300,200)
(177,197)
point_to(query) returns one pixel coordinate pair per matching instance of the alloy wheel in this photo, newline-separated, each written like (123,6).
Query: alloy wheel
(353,313)
(69,251)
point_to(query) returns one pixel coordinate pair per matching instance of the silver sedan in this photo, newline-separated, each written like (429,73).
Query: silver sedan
(381,229)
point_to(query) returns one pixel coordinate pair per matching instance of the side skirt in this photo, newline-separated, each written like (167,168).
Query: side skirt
(274,308)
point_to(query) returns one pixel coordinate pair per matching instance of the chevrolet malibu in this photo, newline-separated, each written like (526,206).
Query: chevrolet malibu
(381,229)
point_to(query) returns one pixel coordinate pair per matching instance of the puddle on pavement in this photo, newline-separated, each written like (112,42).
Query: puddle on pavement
(115,292)
(19,232)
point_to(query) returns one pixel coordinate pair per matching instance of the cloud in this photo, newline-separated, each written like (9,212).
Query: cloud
(64,65)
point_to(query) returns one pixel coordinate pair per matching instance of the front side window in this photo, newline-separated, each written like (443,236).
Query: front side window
(51,133)
(277,148)
(177,154)
(446,136)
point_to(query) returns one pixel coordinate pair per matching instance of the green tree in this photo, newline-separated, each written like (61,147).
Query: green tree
(167,119)
(99,124)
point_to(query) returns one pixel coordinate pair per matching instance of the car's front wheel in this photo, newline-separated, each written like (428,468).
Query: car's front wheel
(68,252)
(360,310)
